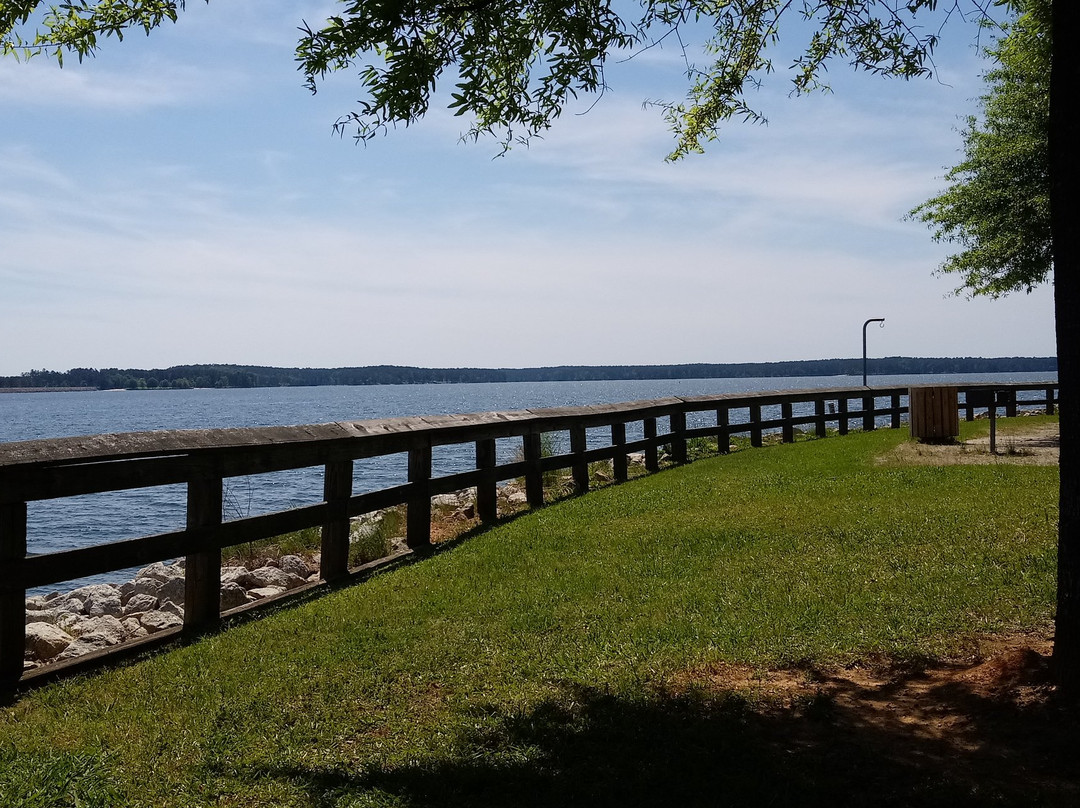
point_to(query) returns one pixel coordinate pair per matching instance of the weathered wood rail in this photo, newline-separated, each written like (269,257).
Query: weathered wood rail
(203,459)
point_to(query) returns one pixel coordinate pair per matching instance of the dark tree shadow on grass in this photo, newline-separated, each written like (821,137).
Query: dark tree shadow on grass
(836,746)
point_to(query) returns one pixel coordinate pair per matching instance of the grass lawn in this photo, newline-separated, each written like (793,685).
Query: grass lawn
(561,658)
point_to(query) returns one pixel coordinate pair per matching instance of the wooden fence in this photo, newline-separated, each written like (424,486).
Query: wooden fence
(203,459)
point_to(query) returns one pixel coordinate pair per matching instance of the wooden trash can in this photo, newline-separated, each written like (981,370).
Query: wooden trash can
(933,413)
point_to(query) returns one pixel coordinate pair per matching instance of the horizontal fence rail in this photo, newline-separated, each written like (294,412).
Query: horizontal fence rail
(203,460)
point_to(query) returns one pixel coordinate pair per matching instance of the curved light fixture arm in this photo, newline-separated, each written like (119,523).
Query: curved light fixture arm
(864,325)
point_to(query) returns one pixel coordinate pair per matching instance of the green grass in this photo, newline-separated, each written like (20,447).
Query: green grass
(253,553)
(528,664)
(365,544)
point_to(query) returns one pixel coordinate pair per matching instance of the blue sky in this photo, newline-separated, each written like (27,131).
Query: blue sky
(181,198)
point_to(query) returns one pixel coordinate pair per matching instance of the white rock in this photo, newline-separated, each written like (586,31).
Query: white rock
(172,590)
(295,580)
(67,605)
(93,590)
(78,601)
(81,646)
(295,565)
(265,576)
(126,590)
(140,603)
(370,516)
(171,608)
(100,594)
(134,628)
(445,501)
(230,574)
(36,602)
(162,572)
(45,641)
(159,621)
(232,595)
(104,602)
(41,616)
(100,631)
(261,592)
(145,586)
(69,622)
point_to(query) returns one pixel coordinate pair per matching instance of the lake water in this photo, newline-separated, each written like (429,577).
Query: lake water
(117,515)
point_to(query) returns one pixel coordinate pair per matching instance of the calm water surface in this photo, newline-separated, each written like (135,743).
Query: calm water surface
(109,517)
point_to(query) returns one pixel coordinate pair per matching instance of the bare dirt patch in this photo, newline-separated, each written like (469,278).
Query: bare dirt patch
(1020,444)
(986,727)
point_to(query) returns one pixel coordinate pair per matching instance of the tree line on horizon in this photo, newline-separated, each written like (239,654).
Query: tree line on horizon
(182,377)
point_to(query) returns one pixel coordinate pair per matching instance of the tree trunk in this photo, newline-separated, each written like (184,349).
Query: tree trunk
(1064,181)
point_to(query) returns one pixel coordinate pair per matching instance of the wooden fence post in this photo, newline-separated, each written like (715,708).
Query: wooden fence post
(723,434)
(755,425)
(652,456)
(579,469)
(487,503)
(534,474)
(842,412)
(337,489)
(12,596)
(418,508)
(868,405)
(895,410)
(1049,400)
(618,463)
(1010,403)
(820,427)
(202,570)
(677,420)
(788,428)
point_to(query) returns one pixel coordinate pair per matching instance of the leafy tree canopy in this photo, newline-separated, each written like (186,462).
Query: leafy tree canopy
(997,207)
(76,27)
(512,65)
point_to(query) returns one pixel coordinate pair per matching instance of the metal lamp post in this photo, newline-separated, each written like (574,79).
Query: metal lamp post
(864,325)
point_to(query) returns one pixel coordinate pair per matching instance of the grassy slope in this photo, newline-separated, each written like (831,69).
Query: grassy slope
(471,672)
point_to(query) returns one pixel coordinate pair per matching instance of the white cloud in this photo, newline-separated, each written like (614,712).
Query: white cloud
(296,291)
(40,83)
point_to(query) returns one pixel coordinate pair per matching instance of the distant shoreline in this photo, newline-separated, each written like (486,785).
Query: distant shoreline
(186,377)
(48,390)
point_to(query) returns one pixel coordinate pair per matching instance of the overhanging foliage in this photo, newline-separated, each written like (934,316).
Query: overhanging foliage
(997,207)
(511,66)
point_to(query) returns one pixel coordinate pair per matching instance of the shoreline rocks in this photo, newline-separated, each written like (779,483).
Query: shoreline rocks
(65,625)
